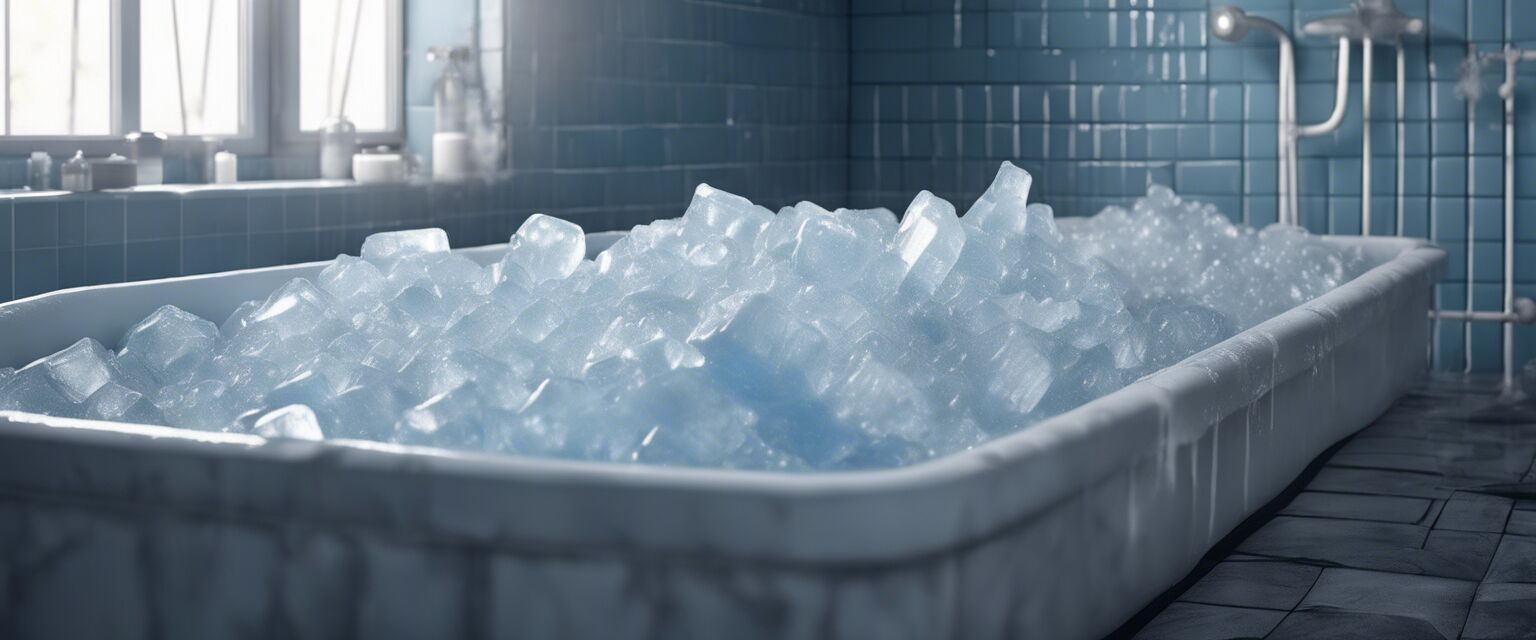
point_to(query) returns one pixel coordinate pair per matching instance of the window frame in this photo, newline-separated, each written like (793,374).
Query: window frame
(290,137)
(269,118)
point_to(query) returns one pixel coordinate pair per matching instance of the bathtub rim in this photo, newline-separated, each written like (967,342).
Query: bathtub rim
(816,503)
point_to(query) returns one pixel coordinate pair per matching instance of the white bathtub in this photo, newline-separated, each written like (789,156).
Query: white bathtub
(1059,531)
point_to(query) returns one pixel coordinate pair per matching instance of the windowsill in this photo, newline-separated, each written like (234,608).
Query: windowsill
(254,185)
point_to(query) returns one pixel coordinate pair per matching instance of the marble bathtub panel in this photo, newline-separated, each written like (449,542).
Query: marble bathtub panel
(210,580)
(76,575)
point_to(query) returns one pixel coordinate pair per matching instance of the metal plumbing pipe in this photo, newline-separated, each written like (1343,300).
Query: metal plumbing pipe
(1512,58)
(1285,130)
(1367,57)
(1335,118)
(1340,99)
(1402,136)
(1518,316)
(1232,24)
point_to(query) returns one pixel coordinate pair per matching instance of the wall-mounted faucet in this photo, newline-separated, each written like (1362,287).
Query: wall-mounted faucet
(1371,21)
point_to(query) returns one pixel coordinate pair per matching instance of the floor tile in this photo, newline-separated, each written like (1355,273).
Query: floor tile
(1502,611)
(1343,625)
(1325,540)
(1442,602)
(1521,523)
(1260,585)
(1358,507)
(1457,554)
(1378,482)
(1515,561)
(1189,621)
(1474,512)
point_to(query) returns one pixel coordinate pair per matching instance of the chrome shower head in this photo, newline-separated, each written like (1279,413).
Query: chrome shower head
(1370,19)
(1229,23)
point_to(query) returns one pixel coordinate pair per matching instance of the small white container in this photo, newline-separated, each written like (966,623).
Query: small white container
(450,156)
(338,141)
(226,167)
(378,167)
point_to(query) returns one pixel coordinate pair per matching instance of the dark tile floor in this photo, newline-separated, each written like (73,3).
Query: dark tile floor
(1423,525)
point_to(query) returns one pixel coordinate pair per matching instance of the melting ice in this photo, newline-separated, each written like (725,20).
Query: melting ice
(732,337)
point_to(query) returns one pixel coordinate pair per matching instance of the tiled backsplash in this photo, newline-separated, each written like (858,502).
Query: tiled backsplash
(58,241)
(1098,98)
(636,102)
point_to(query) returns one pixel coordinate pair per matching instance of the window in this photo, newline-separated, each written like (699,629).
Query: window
(333,79)
(59,67)
(346,58)
(256,73)
(192,63)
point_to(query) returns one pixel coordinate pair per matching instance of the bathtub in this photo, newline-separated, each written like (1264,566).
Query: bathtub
(1062,530)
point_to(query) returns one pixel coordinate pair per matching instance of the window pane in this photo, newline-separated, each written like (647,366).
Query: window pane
(209,83)
(48,95)
(325,45)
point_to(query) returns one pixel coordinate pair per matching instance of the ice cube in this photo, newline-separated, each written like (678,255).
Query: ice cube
(81,369)
(455,419)
(999,207)
(422,306)
(547,248)
(1016,372)
(239,319)
(293,421)
(167,346)
(880,222)
(205,405)
(716,213)
(116,402)
(355,282)
(31,389)
(385,249)
(298,308)
(929,241)
(682,419)
(827,251)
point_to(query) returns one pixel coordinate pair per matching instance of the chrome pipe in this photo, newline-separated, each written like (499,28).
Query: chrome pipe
(1335,118)
(1402,137)
(1340,99)
(1232,24)
(1367,57)
(1510,318)
(1285,149)
(1507,91)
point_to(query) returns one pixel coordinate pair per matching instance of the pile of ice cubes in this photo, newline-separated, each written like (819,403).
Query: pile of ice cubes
(731,337)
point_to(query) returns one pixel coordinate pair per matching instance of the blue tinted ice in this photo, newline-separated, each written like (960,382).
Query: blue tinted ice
(292,421)
(547,248)
(731,337)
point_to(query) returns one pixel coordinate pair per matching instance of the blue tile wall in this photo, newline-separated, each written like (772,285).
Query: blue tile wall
(1100,97)
(625,106)
(53,241)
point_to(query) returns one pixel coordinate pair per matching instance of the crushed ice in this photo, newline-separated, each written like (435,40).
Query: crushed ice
(729,337)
